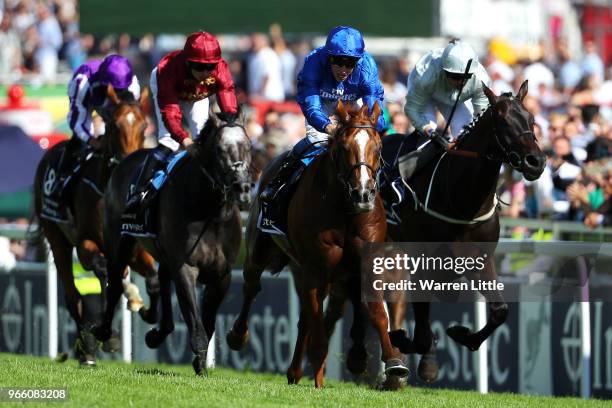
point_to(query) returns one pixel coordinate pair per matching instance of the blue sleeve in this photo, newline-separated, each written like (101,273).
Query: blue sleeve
(308,84)
(372,90)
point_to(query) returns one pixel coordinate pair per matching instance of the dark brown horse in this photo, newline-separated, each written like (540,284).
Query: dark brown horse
(333,212)
(124,135)
(454,200)
(198,231)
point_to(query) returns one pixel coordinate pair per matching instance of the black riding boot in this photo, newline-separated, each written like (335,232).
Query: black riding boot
(145,191)
(280,178)
(72,152)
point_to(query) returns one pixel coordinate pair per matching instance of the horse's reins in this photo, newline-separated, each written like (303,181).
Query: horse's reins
(220,186)
(344,177)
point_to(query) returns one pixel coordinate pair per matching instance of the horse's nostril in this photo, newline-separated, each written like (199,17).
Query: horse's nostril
(532,161)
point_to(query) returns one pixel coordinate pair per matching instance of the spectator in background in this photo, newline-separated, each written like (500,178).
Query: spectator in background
(564,169)
(395,91)
(49,44)
(592,64)
(264,73)
(287,60)
(10,51)
(570,72)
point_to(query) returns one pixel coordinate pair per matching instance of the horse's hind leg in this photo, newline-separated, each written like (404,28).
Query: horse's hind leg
(144,264)
(184,283)
(155,337)
(238,335)
(318,342)
(295,372)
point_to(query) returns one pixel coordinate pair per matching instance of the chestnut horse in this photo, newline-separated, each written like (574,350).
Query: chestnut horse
(124,135)
(333,212)
(461,206)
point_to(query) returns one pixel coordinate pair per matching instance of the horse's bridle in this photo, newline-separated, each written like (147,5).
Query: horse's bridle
(218,183)
(344,178)
(508,155)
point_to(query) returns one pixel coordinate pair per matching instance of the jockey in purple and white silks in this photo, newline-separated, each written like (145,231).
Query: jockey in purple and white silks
(434,83)
(87,92)
(340,70)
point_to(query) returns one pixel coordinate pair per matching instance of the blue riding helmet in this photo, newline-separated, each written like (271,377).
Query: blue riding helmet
(343,41)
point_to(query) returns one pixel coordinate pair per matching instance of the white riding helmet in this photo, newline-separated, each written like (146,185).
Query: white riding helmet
(456,56)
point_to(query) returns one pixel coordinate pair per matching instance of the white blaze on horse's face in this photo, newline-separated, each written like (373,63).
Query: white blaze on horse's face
(362,138)
(130,118)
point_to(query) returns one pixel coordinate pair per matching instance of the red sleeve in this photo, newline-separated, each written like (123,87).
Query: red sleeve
(226,95)
(168,98)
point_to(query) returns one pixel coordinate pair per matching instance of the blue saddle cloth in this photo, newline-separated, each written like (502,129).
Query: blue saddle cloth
(273,216)
(392,188)
(141,223)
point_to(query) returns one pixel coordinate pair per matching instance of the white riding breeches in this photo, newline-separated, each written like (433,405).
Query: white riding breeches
(195,113)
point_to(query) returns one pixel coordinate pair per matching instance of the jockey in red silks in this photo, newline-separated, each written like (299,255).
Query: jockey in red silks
(181,84)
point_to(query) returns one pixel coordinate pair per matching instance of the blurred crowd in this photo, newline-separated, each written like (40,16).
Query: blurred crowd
(569,95)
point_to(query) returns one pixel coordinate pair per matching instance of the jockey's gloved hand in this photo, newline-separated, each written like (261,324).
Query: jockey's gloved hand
(429,130)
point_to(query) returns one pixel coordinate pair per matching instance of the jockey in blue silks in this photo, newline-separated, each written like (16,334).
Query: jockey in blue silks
(340,70)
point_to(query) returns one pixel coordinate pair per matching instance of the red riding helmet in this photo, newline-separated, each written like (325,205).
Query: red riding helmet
(202,47)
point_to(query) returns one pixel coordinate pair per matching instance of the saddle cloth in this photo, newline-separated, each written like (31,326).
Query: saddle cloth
(273,216)
(140,222)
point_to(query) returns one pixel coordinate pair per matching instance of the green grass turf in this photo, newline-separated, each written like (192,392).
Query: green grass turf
(158,385)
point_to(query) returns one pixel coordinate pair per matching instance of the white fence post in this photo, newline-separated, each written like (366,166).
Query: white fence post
(483,362)
(52,303)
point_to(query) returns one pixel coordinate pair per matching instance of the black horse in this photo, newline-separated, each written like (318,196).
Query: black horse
(198,230)
(453,199)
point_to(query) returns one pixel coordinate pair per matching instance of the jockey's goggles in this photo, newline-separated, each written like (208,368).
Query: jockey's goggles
(200,66)
(347,62)
(457,76)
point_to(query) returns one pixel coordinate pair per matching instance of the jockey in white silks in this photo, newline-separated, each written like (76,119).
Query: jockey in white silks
(435,82)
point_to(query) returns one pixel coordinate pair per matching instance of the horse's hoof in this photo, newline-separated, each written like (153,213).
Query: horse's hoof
(392,383)
(154,338)
(87,360)
(113,344)
(235,341)
(293,376)
(61,357)
(396,367)
(199,364)
(148,315)
(102,332)
(463,336)
(399,339)
(357,360)
(428,366)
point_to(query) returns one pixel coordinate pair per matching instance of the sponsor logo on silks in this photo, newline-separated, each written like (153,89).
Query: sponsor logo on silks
(49,182)
(337,94)
(132,227)
(266,222)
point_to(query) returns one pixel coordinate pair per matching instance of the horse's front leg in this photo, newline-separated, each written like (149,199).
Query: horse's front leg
(318,342)
(184,282)
(498,313)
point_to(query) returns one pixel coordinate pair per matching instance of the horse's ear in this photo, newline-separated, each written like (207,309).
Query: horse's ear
(343,114)
(216,120)
(522,92)
(375,112)
(145,105)
(489,93)
(112,95)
